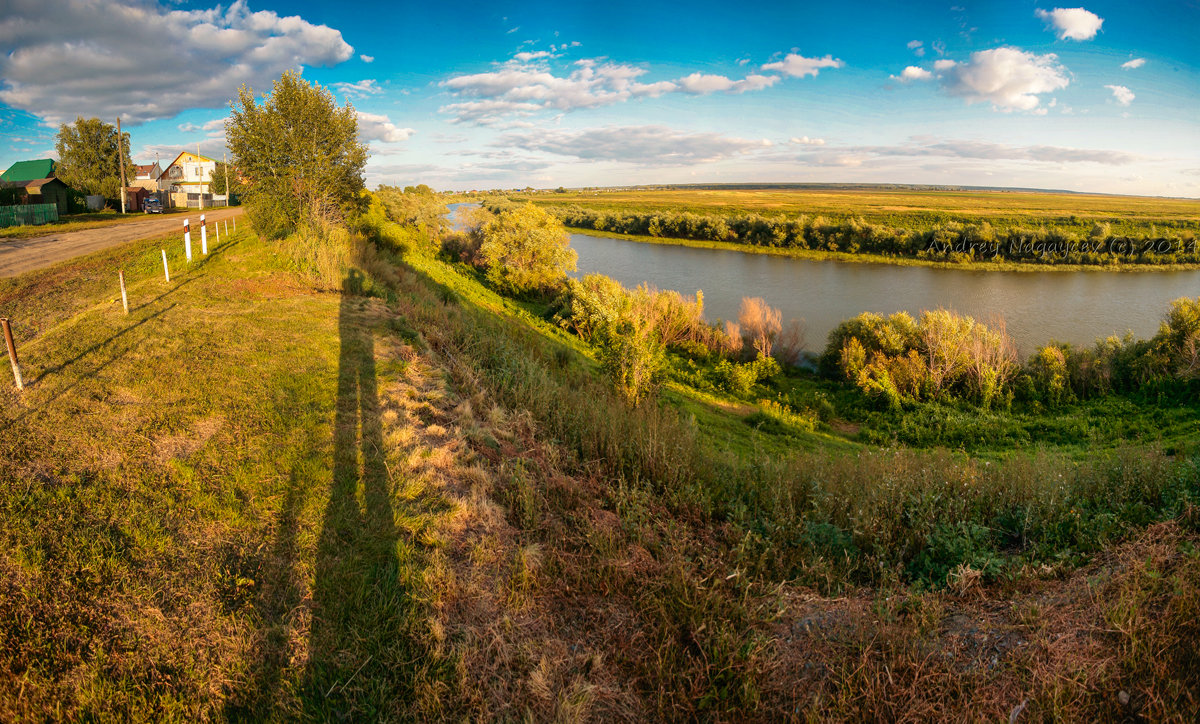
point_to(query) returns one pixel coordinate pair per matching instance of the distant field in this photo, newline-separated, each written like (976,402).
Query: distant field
(890,206)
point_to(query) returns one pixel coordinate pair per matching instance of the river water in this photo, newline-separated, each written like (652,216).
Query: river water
(1037,307)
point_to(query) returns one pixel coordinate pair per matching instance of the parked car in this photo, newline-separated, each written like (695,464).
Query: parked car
(152,205)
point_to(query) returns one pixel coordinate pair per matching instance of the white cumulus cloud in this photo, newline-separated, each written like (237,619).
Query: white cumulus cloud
(367,58)
(1008,78)
(527,56)
(911,73)
(527,85)
(701,83)
(378,127)
(1121,94)
(523,89)
(1072,23)
(917,47)
(143,61)
(806,141)
(1133,64)
(361,89)
(798,66)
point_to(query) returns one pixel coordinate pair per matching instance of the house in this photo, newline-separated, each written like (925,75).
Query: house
(187,178)
(30,170)
(146,175)
(33,182)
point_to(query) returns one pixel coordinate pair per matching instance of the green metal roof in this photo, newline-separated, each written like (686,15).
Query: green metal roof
(29,170)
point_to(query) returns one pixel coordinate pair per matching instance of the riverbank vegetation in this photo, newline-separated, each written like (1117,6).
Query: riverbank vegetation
(955,227)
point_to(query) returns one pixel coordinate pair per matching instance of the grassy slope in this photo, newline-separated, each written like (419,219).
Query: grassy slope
(253,499)
(172,543)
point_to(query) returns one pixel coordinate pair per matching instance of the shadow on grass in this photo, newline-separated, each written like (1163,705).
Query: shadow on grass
(367,646)
(362,645)
(279,598)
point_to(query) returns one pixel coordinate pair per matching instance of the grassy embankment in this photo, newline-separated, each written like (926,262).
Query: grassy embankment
(80,222)
(252,497)
(901,217)
(699,479)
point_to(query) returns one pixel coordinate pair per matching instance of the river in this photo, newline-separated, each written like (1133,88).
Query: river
(1038,306)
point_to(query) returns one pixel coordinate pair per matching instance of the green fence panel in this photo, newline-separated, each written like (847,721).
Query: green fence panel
(28,215)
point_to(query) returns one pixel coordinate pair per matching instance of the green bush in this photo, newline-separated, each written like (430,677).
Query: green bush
(526,250)
(631,356)
(739,378)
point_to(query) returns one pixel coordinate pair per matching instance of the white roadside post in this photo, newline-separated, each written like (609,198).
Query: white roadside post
(124,296)
(217,232)
(187,240)
(203,236)
(166,270)
(226,227)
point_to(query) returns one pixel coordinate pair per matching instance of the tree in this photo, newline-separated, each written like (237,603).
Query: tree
(526,249)
(217,183)
(299,156)
(88,156)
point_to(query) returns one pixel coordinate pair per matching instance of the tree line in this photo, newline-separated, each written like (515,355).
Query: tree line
(951,240)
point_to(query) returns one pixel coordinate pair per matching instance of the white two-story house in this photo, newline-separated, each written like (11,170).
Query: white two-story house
(188,174)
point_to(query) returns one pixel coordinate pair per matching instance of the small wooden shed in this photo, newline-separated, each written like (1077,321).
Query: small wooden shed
(135,198)
(48,191)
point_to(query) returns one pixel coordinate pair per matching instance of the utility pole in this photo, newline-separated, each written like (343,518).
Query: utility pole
(121,155)
(200,175)
(225,163)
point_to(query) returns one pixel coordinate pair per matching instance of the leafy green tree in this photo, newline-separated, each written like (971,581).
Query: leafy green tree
(89,157)
(526,249)
(299,156)
(415,206)
(217,184)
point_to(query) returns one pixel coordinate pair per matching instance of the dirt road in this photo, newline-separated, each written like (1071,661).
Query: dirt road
(18,256)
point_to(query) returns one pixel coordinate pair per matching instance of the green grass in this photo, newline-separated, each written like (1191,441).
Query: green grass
(192,493)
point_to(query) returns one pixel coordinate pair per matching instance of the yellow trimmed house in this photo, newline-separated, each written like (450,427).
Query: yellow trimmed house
(187,178)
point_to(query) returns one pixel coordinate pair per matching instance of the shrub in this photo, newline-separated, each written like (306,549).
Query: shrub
(526,250)
(739,378)
(418,207)
(593,303)
(789,345)
(1047,369)
(733,338)
(629,348)
(735,378)
(760,324)
(892,336)
(1179,334)
(944,356)
(677,318)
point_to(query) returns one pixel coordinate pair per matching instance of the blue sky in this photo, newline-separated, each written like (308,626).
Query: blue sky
(1103,97)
